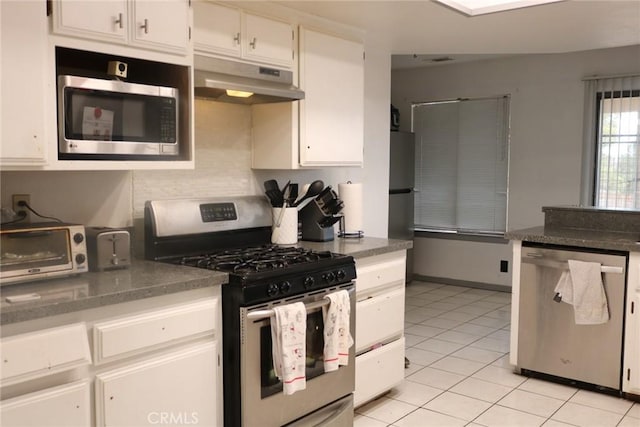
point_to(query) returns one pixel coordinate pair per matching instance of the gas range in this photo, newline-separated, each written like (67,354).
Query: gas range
(232,235)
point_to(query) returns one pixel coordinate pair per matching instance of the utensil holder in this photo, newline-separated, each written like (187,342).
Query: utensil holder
(285,233)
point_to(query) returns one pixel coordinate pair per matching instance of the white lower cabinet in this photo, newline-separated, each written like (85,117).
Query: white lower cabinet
(380,293)
(379,370)
(155,361)
(175,389)
(65,405)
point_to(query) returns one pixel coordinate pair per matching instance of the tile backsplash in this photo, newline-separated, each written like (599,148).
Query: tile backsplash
(223,160)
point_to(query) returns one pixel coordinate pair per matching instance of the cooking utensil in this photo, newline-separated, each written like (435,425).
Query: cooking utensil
(272,190)
(313,189)
(284,206)
(293,193)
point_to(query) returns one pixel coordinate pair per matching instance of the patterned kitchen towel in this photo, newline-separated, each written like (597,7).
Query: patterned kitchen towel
(337,338)
(582,288)
(288,335)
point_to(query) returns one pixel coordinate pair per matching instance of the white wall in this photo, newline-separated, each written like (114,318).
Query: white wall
(546,124)
(223,167)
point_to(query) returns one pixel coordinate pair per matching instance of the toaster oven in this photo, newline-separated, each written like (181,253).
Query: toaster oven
(41,250)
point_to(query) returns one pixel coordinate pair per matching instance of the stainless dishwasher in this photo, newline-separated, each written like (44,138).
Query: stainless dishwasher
(549,341)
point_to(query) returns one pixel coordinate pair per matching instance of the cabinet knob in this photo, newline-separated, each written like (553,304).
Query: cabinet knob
(237,38)
(119,21)
(145,26)
(253,43)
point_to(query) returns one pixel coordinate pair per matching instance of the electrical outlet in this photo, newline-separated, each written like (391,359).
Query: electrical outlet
(16,199)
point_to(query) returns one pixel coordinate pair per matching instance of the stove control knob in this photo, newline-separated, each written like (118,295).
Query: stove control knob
(285,287)
(273,289)
(308,282)
(340,274)
(329,277)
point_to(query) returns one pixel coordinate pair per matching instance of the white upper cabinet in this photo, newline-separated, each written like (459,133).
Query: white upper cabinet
(22,83)
(267,40)
(222,30)
(326,128)
(106,20)
(216,29)
(160,25)
(332,112)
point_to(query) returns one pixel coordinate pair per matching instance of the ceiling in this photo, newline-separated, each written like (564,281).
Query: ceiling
(429,29)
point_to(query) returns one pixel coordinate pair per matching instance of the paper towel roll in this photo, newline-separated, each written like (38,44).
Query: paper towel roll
(351,194)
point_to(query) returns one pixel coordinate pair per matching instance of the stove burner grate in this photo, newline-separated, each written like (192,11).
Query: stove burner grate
(255,259)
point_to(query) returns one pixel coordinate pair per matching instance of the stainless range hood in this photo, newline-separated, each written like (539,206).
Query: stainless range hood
(214,78)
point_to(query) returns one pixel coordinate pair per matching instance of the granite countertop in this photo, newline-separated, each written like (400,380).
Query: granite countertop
(145,279)
(359,247)
(611,240)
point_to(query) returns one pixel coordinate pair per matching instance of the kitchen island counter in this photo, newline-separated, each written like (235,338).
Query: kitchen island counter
(584,238)
(144,279)
(359,247)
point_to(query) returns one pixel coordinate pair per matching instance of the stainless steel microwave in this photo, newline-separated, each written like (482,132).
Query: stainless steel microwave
(101,119)
(41,251)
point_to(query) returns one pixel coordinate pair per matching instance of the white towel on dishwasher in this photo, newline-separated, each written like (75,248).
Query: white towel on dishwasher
(337,336)
(288,336)
(582,288)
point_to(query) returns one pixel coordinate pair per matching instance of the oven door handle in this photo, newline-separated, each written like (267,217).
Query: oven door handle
(265,314)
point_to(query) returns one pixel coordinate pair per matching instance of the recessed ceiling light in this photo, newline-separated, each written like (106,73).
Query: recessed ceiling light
(480,7)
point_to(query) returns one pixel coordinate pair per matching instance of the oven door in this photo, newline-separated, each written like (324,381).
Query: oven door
(263,402)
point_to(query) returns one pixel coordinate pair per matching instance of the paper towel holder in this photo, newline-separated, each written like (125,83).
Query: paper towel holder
(349,234)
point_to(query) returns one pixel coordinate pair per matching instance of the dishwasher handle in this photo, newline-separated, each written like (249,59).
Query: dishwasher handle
(539,260)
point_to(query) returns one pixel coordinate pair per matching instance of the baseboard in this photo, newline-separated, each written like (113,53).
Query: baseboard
(467,283)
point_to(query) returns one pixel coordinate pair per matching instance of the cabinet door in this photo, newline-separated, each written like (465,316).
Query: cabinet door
(103,20)
(177,389)
(23,80)
(67,405)
(332,113)
(267,40)
(161,24)
(216,28)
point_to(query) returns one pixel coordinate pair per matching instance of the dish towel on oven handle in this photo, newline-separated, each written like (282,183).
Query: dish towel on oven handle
(337,338)
(581,286)
(288,336)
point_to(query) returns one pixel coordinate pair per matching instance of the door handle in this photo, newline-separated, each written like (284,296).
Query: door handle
(539,259)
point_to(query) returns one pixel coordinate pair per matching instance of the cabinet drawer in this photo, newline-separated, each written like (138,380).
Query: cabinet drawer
(37,354)
(380,270)
(66,405)
(379,319)
(378,371)
(134,334)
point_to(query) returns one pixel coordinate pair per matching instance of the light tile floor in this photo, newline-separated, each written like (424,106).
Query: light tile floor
(457,340)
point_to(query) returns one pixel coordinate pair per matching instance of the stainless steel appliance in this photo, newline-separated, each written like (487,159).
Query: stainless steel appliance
(233,235)
(549,342)
(242,83)
(105,119)
(108,248)
(401,195)
(41,251)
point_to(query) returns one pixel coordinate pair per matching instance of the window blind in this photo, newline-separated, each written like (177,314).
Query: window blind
(461,165)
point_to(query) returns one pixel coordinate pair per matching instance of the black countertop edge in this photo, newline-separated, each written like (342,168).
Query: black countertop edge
(578,237)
